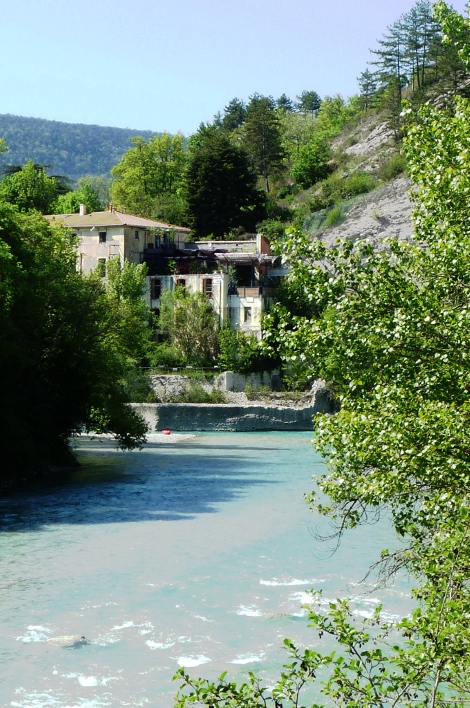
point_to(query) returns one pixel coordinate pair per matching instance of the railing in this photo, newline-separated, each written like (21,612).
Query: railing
(254,291)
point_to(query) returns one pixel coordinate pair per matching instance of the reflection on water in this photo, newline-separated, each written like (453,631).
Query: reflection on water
(199,554)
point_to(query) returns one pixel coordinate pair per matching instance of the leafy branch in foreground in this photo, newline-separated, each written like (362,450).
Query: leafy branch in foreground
(389,330)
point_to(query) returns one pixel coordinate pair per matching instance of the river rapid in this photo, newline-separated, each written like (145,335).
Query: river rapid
(197,553)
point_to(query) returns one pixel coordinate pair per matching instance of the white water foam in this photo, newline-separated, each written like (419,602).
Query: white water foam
(294,581)
(246,659)
(34,633)
(188,661)
(159,645)
(249,611)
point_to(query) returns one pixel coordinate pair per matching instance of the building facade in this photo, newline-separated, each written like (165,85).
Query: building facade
(234,275)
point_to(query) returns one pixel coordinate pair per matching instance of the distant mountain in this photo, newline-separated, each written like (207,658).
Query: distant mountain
(72,149)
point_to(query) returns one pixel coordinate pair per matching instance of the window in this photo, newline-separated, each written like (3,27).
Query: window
(102,236)
(181,282)
(155,288)
(207,287)
(247,315)
(136,234)
(102,267)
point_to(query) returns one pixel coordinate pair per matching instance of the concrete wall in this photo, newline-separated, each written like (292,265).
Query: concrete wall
(207,417)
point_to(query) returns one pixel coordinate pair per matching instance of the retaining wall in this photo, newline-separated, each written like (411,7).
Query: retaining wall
(207,417)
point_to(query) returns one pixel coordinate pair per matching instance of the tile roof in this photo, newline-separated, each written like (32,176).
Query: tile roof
(111,218)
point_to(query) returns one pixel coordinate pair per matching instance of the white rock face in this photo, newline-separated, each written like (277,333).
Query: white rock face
(384,212)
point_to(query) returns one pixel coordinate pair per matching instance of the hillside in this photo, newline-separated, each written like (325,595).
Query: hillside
(72,149)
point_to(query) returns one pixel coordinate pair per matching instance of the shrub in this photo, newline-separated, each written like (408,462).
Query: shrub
(334,216)
(196,393)
(392,168)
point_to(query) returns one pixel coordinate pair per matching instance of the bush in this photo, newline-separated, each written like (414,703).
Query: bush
(138,387)
(336,189)
(242,354)
(196,393)
(394,167)
(334,216)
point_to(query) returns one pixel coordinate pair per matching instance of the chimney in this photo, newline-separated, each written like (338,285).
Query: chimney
(112,208)
(82,209)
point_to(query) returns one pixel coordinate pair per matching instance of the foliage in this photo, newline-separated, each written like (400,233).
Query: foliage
(196,393)
(334,216)
(271,228)
(377,665)
(285,103)
(220,186)
(30,188)
(241,353)
(337,188)
(149,176)
(69,203)
(392,168)
(3,146)
(72,149)
(190,325)
(66,343)
(308,102)
(389,330)
(234,115)
(101,184)
(262,137)
(311,162)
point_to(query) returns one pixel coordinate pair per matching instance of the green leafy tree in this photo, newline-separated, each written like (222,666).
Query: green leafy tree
(308,102)
(3,146)
(390,332)
(70,202)
(101,184)
(220,186)
(242,354)
(66,344)
(149,176)
(190,326)
(262,137)
(311,162)
(30,187)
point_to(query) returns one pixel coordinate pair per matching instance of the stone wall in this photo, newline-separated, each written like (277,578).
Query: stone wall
(204,416)
(168,386)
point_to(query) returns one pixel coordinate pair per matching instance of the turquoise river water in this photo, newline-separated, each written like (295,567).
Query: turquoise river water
(197,553)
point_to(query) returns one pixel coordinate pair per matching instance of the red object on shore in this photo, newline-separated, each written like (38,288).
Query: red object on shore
(166,432)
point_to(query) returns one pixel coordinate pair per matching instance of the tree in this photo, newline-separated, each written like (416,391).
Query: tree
(285,103)
(101,184)
(190,326)
(149,176)
(311,162)
(262,137)
(308,102)
(3,146)
(66,344)
(368,86)
(69,203)
(220,186)
(391,334)
(30,187)
(234,115)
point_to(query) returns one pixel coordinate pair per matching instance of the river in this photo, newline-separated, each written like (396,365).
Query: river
(196,553)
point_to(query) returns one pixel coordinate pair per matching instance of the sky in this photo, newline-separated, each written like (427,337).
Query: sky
(171,64)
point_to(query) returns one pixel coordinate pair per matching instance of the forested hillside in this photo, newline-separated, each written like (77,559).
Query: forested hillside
(72,149)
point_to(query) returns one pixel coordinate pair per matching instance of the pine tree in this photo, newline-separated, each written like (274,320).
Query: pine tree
(368,85)
(262,137)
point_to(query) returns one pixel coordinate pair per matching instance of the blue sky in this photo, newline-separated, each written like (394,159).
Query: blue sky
(170,64)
